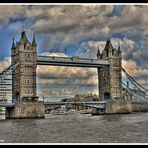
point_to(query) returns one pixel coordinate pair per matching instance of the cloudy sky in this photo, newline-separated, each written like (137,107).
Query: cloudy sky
(80,29)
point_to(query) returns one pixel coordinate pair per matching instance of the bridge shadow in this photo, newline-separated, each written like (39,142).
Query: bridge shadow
(112,117)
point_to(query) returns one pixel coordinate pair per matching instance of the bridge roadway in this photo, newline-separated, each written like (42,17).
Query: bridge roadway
(71,61)
(7,104)
(94,104)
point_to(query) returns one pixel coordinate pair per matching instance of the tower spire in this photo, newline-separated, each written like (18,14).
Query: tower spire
(109,44)
(119,49)
(98,52)
(24,37)
(118,46)
(34,40)
(13,44)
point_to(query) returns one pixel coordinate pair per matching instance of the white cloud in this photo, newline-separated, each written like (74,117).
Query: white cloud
(53,54)
(5,63)
(133,69)
(89,48)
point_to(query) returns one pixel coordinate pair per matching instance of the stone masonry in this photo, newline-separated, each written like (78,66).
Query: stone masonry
(24,76)
(110,77)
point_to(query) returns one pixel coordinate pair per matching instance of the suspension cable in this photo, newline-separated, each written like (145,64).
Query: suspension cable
(133,79)
(135,97)
(133,82)
(131,90)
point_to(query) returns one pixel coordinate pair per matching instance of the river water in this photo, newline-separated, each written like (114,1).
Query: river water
(77,128)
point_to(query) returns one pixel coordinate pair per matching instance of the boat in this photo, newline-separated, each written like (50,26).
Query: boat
(60,111)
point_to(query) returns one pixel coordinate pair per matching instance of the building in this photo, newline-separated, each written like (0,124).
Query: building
(110,77)
(6,89)
(24,76)
(82,98)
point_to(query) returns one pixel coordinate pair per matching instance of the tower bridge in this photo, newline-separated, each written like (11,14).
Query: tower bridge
(24,61)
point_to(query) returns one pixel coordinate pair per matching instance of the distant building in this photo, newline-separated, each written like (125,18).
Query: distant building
(82,97)
(6,89)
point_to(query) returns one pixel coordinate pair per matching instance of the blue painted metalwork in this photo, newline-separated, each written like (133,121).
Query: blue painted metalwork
(93,104)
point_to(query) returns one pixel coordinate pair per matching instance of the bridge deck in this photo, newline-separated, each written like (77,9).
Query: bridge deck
(95,104)
(67,61)
(7,104)
(64,103)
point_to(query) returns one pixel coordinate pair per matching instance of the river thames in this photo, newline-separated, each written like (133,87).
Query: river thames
(77,128)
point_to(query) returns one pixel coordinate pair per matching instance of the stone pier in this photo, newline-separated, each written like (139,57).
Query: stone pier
(114,107)
(26,110)
(139,107)
(117,107)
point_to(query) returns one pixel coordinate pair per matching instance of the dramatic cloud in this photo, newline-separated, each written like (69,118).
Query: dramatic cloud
(78,30)
(89,49)
(60,82)
(4,64)
(135,71)
(66,18)
(132,19)
(8,13)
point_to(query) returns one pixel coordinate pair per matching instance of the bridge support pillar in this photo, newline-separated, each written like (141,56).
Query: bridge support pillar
(97,111)
(26,110)
(115,107)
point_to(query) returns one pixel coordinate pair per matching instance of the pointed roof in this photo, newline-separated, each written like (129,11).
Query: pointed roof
(13,44)
(24,37)
(109,45)
(34,40)
(98,52)
(119,49)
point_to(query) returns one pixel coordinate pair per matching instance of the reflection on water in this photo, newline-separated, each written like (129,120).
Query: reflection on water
(109,118)
(77,128)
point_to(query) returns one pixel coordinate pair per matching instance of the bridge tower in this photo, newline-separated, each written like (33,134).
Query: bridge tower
(24,80)
(24,76)
(110,81)
(110,77)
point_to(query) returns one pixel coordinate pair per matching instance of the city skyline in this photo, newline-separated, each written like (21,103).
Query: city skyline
(77,31)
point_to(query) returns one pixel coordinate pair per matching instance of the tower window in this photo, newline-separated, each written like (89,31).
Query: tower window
(28,47)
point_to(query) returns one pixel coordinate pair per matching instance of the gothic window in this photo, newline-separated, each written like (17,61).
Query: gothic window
(24,46)
(116,62)
(28,55)
(112,52)
(28,47)
(25,91)
(31,92)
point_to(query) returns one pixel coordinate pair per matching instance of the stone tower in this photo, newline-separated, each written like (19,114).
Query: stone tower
(24,76)
(110,77)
